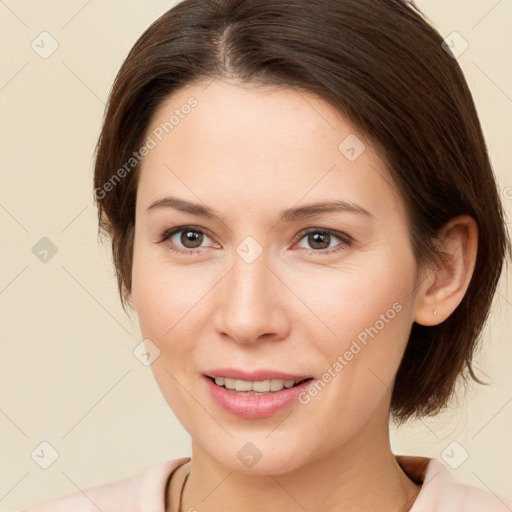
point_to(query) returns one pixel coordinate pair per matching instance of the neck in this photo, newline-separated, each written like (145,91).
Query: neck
(360,475)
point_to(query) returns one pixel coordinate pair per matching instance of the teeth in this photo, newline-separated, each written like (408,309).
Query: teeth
(229,383)
(260,386)
(276,385)
(243,385)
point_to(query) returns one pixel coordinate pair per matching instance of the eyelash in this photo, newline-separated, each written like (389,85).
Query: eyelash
(345,239)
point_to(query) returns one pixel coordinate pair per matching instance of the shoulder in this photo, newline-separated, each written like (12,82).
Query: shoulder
(440,492)
(143,492)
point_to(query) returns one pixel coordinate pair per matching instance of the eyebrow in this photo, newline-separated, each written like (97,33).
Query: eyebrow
(289,215)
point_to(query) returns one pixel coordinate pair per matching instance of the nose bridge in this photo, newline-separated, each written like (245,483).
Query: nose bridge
(249,303)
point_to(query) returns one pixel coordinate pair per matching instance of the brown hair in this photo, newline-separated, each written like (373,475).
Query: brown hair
(383,66)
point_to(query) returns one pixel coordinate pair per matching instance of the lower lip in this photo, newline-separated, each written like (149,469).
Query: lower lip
(254,406)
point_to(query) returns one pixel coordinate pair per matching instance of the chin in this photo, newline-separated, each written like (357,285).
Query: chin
(256,454)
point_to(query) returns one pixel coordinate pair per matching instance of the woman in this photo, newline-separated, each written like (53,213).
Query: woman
(304,218)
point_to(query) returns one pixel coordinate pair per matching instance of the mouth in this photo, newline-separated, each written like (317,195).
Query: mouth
(257,394)
(256,387)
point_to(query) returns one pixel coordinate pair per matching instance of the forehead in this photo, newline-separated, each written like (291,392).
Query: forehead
(265,143)
(258,119)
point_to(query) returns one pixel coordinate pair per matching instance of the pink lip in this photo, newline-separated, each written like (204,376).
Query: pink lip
(255,375)
(254,406)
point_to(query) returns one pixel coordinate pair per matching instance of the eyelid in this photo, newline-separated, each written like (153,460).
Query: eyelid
(345,239)
(315,229)
(169,233)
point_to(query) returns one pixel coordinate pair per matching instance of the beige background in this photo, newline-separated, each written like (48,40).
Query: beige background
(67,373)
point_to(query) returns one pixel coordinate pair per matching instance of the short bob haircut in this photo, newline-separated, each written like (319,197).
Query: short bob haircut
(383,66)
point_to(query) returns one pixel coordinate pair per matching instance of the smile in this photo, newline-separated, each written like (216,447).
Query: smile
(258,387)
(254,394)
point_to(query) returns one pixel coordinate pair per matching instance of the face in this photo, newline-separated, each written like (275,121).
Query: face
(239,276)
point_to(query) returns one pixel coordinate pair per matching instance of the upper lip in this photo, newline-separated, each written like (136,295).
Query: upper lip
(255,375)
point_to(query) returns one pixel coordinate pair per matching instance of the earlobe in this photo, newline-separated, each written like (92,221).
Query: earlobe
(443,290)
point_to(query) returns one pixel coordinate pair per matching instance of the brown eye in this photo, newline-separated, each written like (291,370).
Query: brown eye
(319,240)
(188,240)
(322,241)
(191,239)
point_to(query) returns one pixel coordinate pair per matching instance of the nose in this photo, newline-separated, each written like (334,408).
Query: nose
(252,303)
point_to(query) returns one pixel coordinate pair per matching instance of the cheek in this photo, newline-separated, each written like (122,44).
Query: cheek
(167,316)
(364,316)
(167,298)
(362,300)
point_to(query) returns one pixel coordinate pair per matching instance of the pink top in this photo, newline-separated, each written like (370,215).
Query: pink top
(146,492)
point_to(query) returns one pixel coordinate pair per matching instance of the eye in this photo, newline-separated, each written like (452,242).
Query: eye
(323,241)
(185,239)
(189,240)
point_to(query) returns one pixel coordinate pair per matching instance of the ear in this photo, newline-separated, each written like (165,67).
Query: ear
(444,287)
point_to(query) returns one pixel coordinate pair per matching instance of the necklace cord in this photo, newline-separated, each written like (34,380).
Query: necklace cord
(181,492)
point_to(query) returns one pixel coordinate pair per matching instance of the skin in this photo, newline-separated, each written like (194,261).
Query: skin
(249,152)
